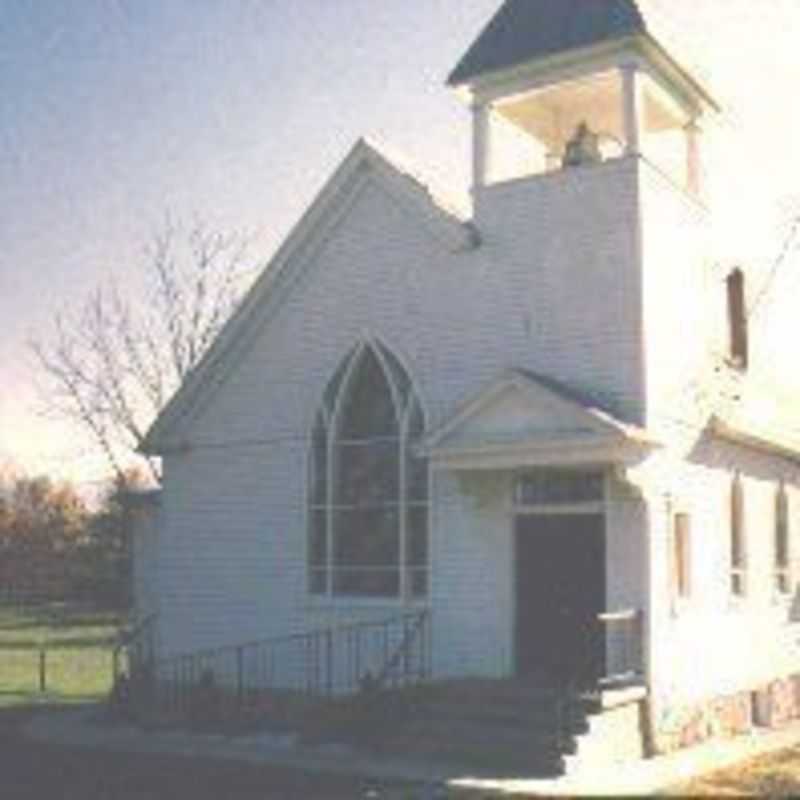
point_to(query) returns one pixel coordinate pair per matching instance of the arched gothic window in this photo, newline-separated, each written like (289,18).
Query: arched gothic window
(368,493)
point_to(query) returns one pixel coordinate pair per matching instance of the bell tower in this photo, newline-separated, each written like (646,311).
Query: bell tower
(588,189)
(555,84)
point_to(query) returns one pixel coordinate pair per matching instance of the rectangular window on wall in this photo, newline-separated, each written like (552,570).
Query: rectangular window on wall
(559,487)
(737,319)
(681,556)
(782,562)
(738,555)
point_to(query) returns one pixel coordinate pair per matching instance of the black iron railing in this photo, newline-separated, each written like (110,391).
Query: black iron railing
(620,636)
(325,663)
(134,652)
(415,643)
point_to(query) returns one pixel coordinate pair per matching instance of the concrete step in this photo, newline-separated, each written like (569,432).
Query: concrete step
(524,721)
(545,713)
(503,725)
(482,734)
(486,752)
(614,737)
(497,693)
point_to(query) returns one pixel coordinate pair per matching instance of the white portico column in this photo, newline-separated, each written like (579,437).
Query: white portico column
(480,144)
(694,165)
(632,108)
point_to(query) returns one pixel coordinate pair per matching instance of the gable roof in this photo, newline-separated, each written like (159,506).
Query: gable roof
(522,418)
(523,30)
(364,163)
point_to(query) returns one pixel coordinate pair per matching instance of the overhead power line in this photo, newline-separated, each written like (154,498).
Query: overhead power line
(792,235)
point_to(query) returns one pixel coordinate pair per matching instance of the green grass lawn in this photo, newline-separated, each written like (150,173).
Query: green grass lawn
(78,654)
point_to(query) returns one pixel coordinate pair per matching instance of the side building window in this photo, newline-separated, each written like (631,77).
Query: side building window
(737,319)
(368,493)
(681,556)
(738,553)
(782,563)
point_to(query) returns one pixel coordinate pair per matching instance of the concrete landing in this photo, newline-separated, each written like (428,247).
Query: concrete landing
(85,727)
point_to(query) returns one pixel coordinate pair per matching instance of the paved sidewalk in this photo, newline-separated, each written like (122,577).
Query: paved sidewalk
(85,727)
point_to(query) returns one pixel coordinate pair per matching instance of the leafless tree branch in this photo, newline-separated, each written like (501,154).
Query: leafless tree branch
(112,366)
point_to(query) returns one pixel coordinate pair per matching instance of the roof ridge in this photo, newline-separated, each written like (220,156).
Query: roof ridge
(444,198)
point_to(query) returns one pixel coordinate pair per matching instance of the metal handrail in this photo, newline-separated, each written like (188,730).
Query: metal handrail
(130,639)
(622,638)
(619,616)
(321,663)
(404,650)
(129,635)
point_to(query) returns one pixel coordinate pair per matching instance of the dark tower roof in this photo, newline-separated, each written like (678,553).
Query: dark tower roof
(523,30)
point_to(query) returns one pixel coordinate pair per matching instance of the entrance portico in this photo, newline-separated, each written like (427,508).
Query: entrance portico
(560,457)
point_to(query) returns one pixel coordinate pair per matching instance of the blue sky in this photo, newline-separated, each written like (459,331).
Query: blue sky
(113,112)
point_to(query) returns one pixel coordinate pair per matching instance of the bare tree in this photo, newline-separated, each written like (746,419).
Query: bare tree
(112,366)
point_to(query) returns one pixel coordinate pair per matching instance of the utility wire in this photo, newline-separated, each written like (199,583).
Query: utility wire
(779,261)
(693,425)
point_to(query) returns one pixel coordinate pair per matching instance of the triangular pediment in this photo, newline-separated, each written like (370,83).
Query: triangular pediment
(365,165)
(521,416)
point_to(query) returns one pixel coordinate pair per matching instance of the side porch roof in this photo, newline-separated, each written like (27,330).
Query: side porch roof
(761,413)
(766,435)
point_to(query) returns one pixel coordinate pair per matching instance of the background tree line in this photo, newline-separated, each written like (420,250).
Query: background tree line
(108,367)
(53,546)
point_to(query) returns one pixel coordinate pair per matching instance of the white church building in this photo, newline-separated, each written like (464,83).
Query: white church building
(538,426)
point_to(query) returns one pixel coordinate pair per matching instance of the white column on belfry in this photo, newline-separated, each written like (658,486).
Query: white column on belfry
(632,108)
(480,144)
(694,165)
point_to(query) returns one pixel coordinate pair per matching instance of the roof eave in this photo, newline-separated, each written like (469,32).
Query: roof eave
(764,441)
(658,53)
(642,44)
(548,452)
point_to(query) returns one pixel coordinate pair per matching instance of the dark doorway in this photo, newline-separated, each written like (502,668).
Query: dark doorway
(560,590)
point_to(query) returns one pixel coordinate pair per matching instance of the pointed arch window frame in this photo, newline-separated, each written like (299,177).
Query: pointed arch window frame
(408,575)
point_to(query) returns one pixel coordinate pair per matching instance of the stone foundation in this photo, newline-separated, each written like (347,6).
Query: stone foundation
(769,706)
(778,703)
